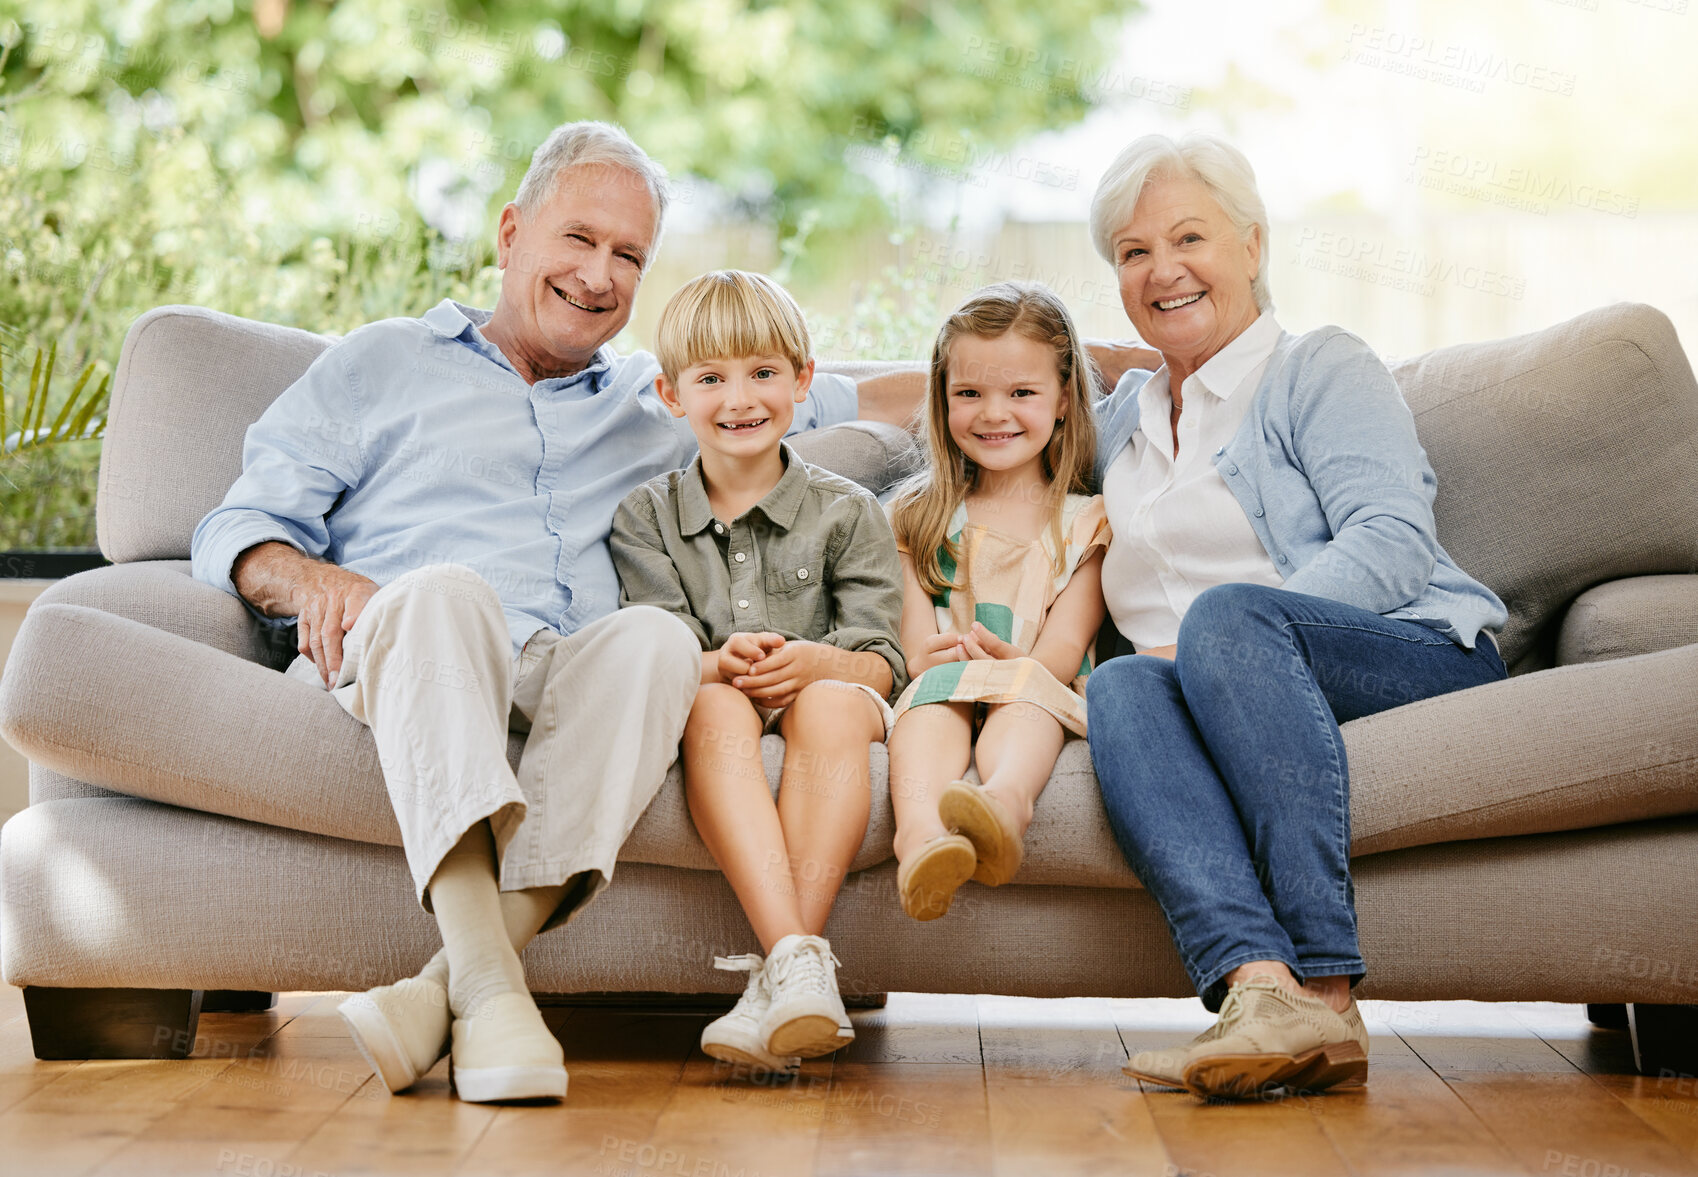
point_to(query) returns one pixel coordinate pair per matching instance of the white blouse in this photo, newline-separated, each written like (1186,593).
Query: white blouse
(1177,528)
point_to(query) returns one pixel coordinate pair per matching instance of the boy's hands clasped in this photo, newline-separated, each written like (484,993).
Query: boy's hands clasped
(772,671)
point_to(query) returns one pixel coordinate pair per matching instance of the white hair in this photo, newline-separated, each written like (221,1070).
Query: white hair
(1216,164)
(573,145)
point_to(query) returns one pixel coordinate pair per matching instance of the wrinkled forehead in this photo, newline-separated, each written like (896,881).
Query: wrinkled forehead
(611,199)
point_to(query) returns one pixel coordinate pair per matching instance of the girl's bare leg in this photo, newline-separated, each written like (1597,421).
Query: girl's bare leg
(1016,753)
(930,746)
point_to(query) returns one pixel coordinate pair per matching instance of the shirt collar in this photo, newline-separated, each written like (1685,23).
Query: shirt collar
(1230,368)
(453,320)
(780,505)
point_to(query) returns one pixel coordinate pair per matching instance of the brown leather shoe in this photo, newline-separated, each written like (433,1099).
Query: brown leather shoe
(1271,1037)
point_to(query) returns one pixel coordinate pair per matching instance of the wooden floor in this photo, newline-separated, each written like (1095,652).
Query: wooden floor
(932,1084)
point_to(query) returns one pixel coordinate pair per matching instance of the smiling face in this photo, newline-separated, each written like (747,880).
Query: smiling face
(1184,272)
(571,268)
(738,408)
(1004,395)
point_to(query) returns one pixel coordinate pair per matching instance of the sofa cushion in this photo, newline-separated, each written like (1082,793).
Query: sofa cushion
(91,895)
(190,381)
(165,595)
(1571,748)
(1639,615)
(1564,458)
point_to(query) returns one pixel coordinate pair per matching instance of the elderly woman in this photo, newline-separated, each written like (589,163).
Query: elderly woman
(1274,572)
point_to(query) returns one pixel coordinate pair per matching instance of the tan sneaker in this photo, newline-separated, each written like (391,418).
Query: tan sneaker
(1271,1037)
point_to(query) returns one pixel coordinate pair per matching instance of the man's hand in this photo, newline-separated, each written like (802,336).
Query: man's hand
(1115,358)
(279,581)
(742,650)
(775,680)
(980,642)
(327,602)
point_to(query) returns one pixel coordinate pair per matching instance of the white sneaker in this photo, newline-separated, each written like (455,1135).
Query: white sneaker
(806,1015)
(736,1037)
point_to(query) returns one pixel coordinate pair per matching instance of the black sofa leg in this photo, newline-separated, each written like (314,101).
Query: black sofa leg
(250,1001)
(1665,1039)
(1607,1017)
(112,1023)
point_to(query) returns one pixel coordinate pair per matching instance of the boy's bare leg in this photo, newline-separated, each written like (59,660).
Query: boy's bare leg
(734,811)
(824,798)
(930,746)
(1016,754)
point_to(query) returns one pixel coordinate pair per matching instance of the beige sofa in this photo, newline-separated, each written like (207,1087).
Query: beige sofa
(199,822)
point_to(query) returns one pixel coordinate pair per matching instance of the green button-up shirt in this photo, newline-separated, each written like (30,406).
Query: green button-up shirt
(815,560)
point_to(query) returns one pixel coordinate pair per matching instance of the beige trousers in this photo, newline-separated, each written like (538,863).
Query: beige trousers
(428,668)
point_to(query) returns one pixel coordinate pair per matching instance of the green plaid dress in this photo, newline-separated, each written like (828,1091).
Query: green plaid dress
(1008,585)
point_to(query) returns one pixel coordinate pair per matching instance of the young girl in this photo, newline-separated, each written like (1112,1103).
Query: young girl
(1001,554)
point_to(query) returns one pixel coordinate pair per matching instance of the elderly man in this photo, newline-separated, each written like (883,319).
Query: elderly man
(430,504)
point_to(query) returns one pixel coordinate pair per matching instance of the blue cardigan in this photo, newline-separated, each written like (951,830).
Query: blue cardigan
(1335,484)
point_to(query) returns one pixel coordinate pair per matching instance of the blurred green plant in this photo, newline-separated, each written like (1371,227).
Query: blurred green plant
(277,159)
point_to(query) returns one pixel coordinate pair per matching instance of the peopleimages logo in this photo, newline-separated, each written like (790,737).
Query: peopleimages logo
(1525,189)
(1446,63)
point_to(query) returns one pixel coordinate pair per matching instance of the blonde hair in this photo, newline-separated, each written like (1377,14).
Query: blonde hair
(730,314)
(924,506)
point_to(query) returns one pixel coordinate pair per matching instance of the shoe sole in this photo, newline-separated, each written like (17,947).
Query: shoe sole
(1247,1076)
(1168,1081)
(966,810)
(739,1056)
(500,1084)
(377,1043)
(937,872)
(808,1036)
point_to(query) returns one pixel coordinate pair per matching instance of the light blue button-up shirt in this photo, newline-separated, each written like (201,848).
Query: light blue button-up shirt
(415,442)
(1334,482)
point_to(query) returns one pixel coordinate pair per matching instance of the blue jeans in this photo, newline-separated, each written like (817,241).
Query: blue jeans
(1224,774)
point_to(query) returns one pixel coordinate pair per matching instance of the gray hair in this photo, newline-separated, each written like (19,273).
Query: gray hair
(1217,164)
(573,145)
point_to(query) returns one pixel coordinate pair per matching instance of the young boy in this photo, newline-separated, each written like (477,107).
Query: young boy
(790,578)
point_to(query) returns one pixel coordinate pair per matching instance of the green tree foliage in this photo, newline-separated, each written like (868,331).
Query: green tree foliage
(271,158)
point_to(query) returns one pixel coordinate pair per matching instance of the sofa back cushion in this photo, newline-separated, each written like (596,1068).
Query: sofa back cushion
(190,381)
(1565,458)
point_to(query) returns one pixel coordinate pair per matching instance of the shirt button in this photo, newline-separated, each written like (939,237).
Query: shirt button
(1220,451)
(719,528)
(1259,512)
(1232,469)
(801,574)
(738,557)
(745,604)
(1282,559)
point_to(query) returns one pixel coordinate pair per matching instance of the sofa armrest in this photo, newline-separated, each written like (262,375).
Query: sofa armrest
(1620,618)
(163,594)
